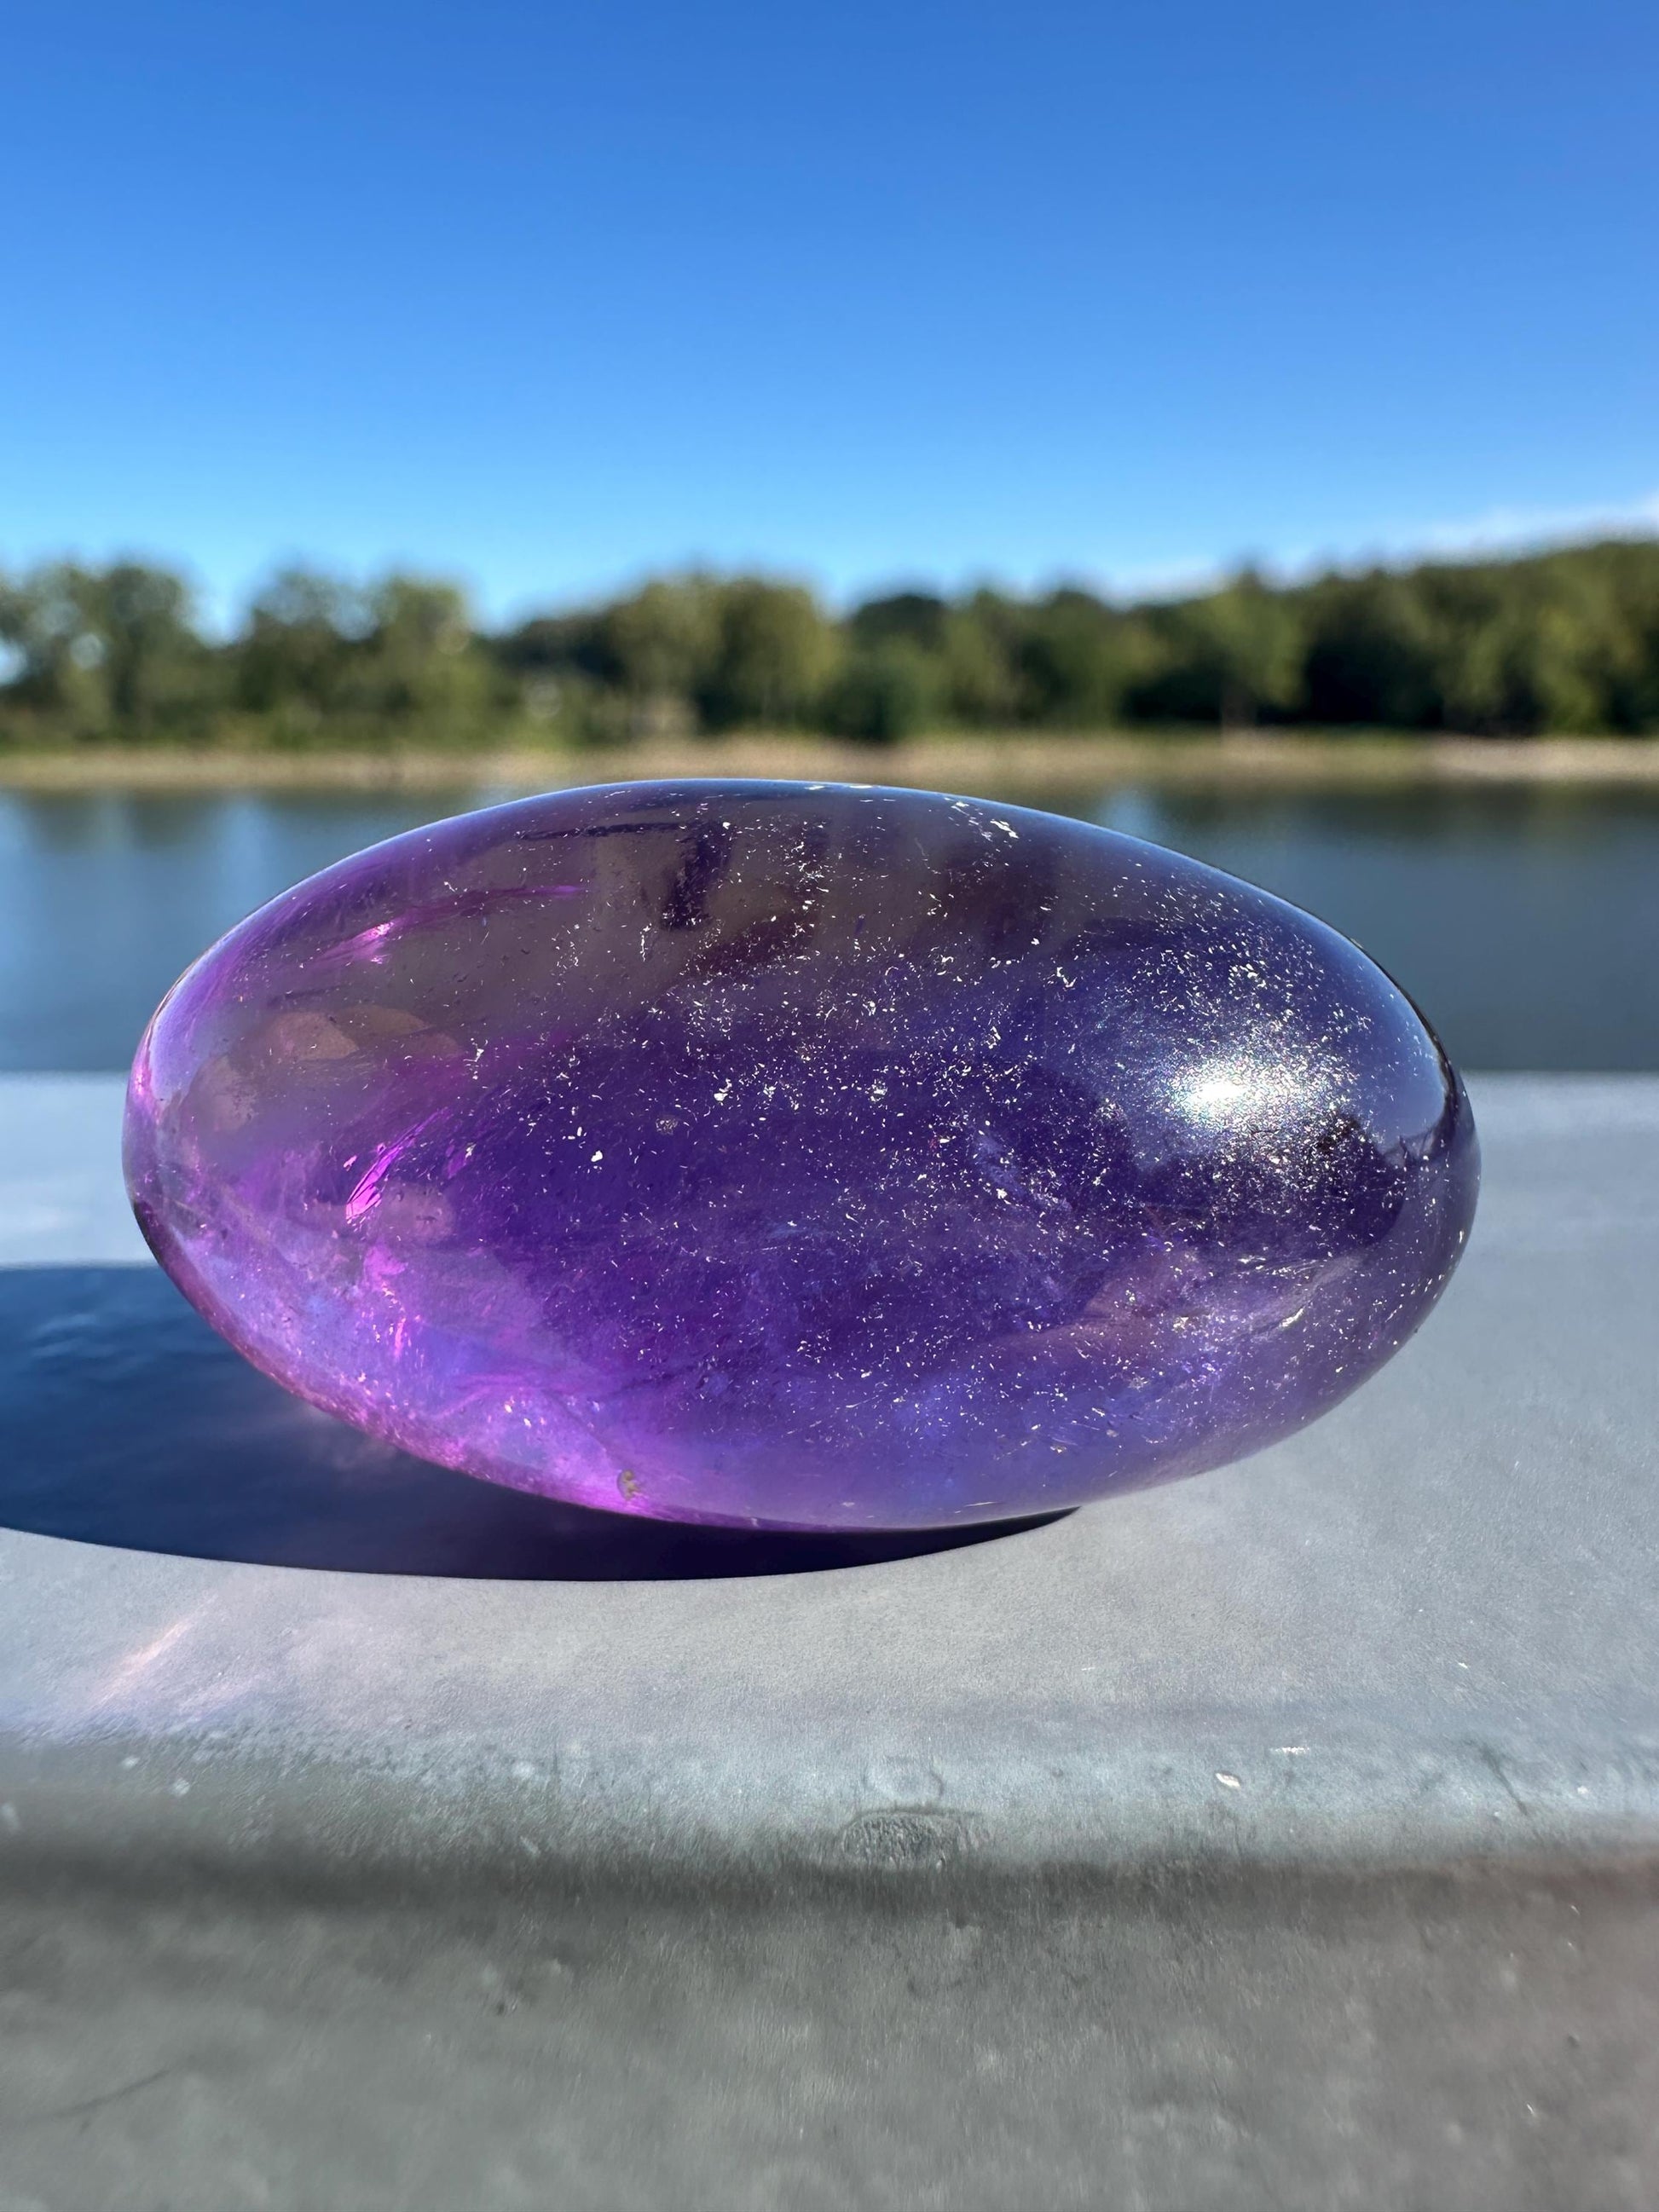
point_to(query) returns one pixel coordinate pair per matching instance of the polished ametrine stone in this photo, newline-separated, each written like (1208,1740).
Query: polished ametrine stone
(799,1154)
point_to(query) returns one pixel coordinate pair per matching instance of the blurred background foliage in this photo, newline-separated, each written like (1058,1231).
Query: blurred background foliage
(1560,642)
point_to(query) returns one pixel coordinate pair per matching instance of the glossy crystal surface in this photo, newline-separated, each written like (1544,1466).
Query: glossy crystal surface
(808,1155)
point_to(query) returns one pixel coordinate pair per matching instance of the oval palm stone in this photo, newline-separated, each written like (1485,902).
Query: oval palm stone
(807,1155)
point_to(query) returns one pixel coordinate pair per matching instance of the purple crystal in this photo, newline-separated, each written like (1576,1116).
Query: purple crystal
(800,1154)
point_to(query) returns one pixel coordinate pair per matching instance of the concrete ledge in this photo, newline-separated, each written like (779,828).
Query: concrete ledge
(1174,1853)
(1424,1628)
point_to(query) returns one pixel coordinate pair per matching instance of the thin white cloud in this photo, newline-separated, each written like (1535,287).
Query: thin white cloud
(1504,528)
(1500,530)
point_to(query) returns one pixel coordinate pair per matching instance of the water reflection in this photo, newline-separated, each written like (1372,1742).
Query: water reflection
(1522,919)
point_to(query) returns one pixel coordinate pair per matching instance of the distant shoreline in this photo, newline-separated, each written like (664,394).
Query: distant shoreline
(1018,762)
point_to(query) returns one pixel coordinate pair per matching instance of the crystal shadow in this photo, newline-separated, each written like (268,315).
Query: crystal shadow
(124,1420)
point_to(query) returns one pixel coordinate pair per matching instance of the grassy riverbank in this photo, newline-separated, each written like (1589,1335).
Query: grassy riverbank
(1020,762)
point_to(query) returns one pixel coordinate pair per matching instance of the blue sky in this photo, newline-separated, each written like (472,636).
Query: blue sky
(546,296)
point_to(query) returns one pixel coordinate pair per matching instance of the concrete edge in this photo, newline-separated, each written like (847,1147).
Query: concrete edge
(1352,1797)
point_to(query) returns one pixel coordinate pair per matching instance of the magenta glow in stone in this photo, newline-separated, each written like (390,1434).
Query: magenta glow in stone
(804,1155)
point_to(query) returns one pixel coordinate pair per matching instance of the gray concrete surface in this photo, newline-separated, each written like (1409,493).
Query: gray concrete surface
(1282,1839)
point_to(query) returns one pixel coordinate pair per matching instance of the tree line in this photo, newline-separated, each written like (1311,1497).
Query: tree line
(1564,640)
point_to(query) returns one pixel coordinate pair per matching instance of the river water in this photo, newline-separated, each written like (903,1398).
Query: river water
(1524,921)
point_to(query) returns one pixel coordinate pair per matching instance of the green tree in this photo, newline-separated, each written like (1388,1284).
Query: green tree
(1371,655)
(1075,659)
(660,647)
(49,623)
(161,677)
(1233,658)
(980,653)
(1561,641)
(892,683)
(775,655)
(920,620)
(417,675)
(108,652)
(291,659)
(884,692)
